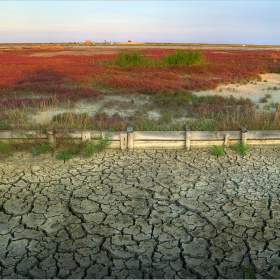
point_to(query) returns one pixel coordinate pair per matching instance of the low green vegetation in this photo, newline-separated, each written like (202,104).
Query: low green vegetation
(41,148)
(64,147)
(218,150)
(240,148)
(64,155)
(179,57)
(5,148)
(69,148)
(249,273)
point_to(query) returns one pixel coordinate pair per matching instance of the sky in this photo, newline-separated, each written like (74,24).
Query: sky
(222,22)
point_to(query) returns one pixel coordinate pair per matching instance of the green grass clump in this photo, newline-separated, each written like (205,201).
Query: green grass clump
(4,124)
(41,148)
(5,148)
(91,147)
(103,142)
(70,148)
(240,148)
(180,57)
(131,59)
(64,155)
(88,149)
(249,273)
(218,150)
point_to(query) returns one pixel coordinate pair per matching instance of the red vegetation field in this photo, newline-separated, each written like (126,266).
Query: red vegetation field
(77,76)
(25,73)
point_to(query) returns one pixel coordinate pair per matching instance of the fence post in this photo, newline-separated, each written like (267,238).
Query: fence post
(51,136)
(130,138)
(227,140)
(123,138)
(85,135)
(244,132)
(188,138)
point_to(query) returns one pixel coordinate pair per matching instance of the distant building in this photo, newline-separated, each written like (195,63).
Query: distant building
(88,42)
(129,41)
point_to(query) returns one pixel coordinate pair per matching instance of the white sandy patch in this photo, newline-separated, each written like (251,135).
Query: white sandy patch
(254,90)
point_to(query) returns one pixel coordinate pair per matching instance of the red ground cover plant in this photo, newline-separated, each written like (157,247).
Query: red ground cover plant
(23,74)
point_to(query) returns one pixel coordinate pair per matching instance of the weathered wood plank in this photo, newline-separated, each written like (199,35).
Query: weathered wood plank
(263,134)
(113,135)
(115,145)
(202,144)
(227,140)
(51,137)
(142,145)
(22,134)
(188,140)
(159,135)
(215,135)
(263,142)
(86,136)
(130,140)
(244,138)
(181,135)
(123,137)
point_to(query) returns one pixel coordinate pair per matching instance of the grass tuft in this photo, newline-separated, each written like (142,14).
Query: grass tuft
(240,148)
(41,148)
(5,148)
(218,150)
(179,57)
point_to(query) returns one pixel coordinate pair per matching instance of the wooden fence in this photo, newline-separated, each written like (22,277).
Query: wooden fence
(129,140)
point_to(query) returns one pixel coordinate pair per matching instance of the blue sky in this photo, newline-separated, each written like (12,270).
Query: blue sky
(240,22)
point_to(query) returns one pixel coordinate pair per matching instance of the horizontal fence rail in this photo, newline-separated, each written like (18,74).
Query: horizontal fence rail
(129,139)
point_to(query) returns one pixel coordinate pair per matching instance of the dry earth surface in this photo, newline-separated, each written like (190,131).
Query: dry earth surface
(146,214)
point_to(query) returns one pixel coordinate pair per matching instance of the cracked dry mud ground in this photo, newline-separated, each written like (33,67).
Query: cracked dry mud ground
(141,214)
